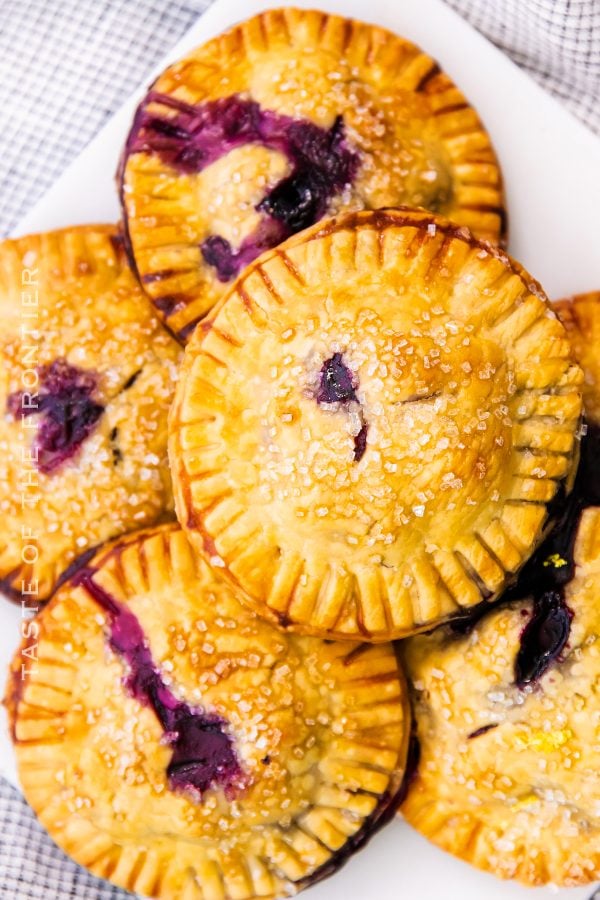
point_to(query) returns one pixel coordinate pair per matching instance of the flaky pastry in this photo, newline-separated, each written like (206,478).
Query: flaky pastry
(507,720)
(288,117)
(507,707)
(87,373)
(368,430)
(176,744)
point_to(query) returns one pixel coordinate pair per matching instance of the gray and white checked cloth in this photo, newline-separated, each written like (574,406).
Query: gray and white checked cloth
(65,67)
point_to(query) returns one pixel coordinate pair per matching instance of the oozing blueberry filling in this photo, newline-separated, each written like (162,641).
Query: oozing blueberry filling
(337,384)
(545,576)
(551,568)
(322,164)
(543,638)
(203,754)
(227,261)
(383,813)
(67,409)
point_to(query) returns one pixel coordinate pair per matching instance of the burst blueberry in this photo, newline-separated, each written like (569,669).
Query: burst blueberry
(338,385)
(337,381)
(543,638)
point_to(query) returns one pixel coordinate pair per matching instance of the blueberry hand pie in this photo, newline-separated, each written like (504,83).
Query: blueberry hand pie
(507,718)
(507,705)
(87,374)
(176,744)
(286,118)
(368,430)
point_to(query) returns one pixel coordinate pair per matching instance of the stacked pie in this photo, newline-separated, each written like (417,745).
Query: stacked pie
(306,343)
(506,704)
(87,375)
(289,117)
(202,752)
(360,427)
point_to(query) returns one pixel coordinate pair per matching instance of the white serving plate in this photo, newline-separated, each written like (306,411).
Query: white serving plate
(551,165)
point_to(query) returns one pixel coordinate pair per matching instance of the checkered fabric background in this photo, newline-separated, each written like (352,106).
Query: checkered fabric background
(556,41)
(64,68)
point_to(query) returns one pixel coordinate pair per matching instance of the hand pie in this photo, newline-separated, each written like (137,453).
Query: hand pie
(507,706)
(286,118)
(368,430)
(87,374)
(183,748)
(507,722)
(581,317)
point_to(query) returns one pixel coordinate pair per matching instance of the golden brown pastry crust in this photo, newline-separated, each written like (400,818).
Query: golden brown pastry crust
(91,331)
(508,779)
(581,317)
(320,731)
(463,381)
(418,140)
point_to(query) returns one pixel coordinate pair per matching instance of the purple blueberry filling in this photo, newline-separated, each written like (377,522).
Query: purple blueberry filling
(203,754)
(545,576)
(67,409)
(551,568)
(227,262)
(338,385)
(322,164)
(543,638)
(360,443)
(337,381)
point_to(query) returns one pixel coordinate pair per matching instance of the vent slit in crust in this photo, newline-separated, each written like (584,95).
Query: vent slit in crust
(387,424)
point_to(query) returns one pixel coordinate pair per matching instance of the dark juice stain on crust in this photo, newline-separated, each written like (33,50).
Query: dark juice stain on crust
(464,623)
(131,380)
(481,731)
(116,452)
(67,410)
(193,137)
(7,586)
(79,563)
(412,766)
(337,384)
(203,754)
(383,813)
(16,595)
